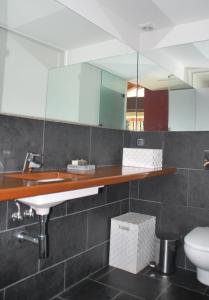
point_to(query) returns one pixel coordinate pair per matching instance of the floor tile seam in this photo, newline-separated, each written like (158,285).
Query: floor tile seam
(163,291)
(121,291)
(80,281)
(188,288)
(116,296)
(134,296)
(108,272)
(106,285)
(93,273)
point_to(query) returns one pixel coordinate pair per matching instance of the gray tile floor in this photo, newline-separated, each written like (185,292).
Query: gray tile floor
(115,284)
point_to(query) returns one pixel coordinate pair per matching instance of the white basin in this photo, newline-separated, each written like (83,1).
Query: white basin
(42,203)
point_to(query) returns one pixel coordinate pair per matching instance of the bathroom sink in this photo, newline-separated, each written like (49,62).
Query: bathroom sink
(46,176)
(42,203)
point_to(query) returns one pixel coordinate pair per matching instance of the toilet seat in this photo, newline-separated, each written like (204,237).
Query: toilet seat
(198,239)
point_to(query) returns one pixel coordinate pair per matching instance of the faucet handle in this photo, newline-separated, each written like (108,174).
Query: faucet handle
(32,155)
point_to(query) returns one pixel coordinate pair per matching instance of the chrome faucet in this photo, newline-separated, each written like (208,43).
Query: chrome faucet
(30,163)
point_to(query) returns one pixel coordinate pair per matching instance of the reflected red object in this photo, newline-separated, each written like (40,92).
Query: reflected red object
(156,110)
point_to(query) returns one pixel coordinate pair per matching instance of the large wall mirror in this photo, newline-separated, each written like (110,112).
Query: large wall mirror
(51,69)
(95,93)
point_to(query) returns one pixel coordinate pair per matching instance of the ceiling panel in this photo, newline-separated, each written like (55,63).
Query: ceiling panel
(184,11)
(137,12)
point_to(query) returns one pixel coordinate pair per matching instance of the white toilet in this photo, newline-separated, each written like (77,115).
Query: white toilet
(196,247)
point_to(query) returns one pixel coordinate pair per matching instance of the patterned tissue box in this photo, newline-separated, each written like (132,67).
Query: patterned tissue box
(142,158)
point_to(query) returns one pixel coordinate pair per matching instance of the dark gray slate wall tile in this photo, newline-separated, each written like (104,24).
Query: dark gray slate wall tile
(199,188)
(178,149)
(152,140)
(147,208)
(185,149)
(18,136)
(124,206)
(17,260)
(134,189)
(117,192)
(64,142)
(42,286)
(84,264)
(200,142)
(99,223)
(3,215)
(83,203)
(106,146)
(171,189)
(91,290)
(67,237)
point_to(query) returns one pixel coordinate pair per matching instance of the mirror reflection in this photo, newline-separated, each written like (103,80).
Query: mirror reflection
(88,77)
(94,93)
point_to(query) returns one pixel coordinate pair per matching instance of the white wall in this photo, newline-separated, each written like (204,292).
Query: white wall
(74,94)
(63,93)
(188,110)
(181,115)
(89,102)
(202,109)
(24,74)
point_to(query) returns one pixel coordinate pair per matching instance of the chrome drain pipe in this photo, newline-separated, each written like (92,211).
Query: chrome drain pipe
(41,240)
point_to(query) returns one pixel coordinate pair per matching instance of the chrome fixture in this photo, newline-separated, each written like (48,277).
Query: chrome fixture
(17,216)
(30,163)
(28,213)
(41,240)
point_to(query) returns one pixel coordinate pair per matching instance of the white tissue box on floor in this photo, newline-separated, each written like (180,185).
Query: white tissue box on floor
(142,158)
(132,241)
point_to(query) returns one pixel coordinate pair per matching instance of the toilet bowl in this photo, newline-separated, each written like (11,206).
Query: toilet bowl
(196,247)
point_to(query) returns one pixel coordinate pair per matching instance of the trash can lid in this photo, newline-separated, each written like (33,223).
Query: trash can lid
(198,238)
(168,236)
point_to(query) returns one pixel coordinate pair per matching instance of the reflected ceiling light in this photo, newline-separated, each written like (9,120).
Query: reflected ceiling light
(147,26)
(135,93)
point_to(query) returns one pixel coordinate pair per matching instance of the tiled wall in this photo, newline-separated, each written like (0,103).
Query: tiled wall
(180,201)
(78,229)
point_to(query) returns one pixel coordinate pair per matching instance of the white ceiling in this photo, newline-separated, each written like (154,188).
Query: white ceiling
(151,75)
(137,12)
(184,11)
(51,23)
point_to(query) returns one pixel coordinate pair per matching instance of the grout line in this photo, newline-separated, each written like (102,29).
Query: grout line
(145,200)
(188,288)
(87,231)
(116,296)
(53,266)
(65,275)
(188,188)
(103,275)
(114,288)
(107,285)
(66,208)
(163,291)
(95,207)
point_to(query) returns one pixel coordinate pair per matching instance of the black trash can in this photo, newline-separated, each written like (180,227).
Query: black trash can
(167,259)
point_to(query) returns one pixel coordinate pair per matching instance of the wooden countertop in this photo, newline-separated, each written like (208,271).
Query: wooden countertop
(13,188)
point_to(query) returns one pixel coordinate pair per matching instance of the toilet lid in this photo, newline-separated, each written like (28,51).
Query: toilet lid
(198,238)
